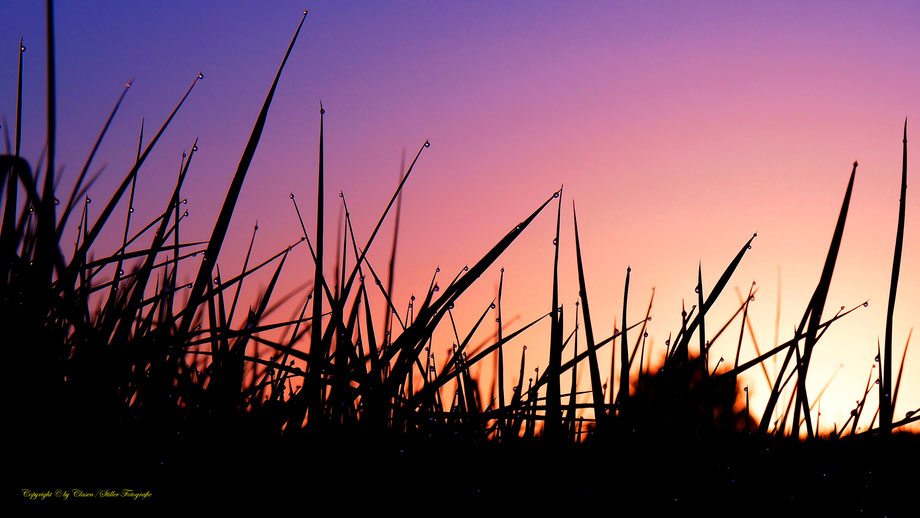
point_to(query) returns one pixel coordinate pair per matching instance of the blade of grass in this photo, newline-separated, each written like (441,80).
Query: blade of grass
(593,366)
(223,219)
(552,426)
(817,307)
(886,404)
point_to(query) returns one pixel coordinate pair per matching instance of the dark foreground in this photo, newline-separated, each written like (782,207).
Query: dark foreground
(735,477)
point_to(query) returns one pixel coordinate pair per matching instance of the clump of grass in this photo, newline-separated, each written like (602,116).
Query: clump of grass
(178,374)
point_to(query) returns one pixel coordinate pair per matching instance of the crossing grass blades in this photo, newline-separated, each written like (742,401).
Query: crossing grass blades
(121,377)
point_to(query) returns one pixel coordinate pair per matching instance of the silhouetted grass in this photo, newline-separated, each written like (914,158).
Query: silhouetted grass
(177,392)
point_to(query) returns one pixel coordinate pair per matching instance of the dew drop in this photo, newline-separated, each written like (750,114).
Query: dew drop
(195,147)
(556,194)
(910,414)
(89,200)
(451,306)
(341,194)
(628,269)
(745,389)
(185,215)
(667,342)
(466,268)
(22,48)
(200,75)
(437,270)
(131,210)
(57,201)
(121,272)
(427,144)
(878,382)
(559,310)
(412,297)
(865,304)
(492,306)
(291,196)
(362,278)
(436,288)
(514,389)
(525,347)
(877,358)
(304,11)
(555,242)
(842,308)
(497,319)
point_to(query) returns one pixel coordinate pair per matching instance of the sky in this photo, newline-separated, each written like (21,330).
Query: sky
(679,130)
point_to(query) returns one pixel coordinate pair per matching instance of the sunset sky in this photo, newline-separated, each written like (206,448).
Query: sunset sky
(679,129)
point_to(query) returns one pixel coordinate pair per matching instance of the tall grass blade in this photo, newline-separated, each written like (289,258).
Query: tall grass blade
(886,404)
(597,390)
(623,394)
(817,308)
(553,425)
(233,192)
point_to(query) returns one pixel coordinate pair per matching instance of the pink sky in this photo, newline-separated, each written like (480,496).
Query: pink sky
(679,129)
